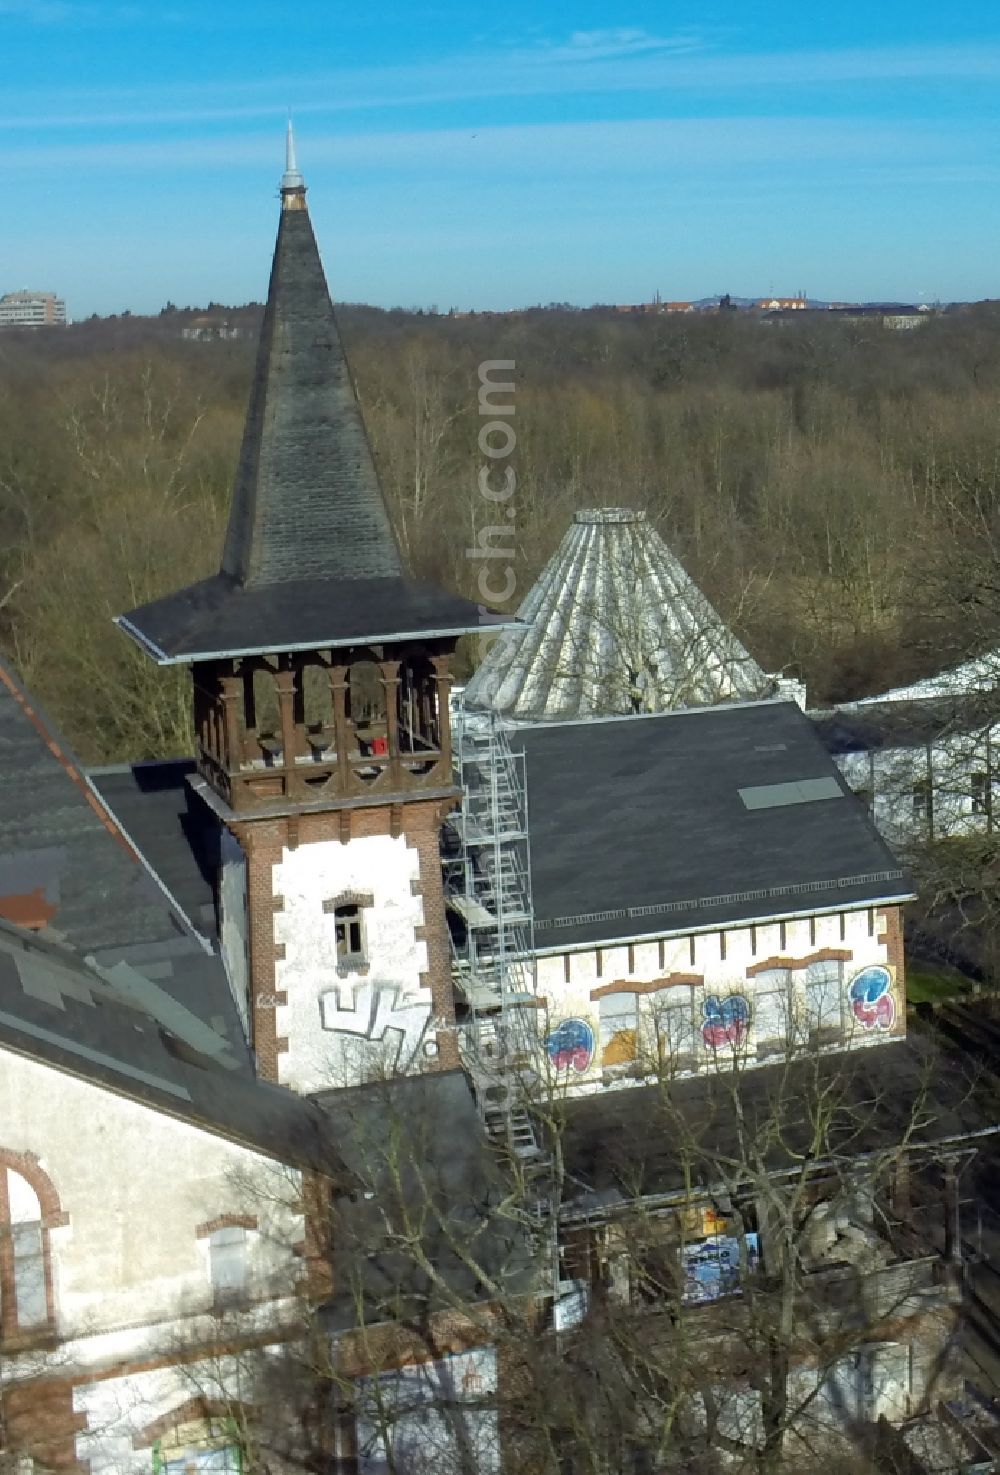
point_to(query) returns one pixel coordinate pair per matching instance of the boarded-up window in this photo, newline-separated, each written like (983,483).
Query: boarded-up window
(27,1252)
(824,992)
(772,1006)
(619,1027)
(228,1261)
(673,1025)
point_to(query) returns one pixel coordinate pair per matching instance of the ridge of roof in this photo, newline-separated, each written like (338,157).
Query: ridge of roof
(60,750)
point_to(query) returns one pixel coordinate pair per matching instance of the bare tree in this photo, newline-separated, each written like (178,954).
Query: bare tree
(747,1268)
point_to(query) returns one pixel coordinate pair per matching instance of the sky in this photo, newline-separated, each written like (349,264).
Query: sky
(500,155)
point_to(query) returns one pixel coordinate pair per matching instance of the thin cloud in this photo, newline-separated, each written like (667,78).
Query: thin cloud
(617,42)
(531,152)
(590,62)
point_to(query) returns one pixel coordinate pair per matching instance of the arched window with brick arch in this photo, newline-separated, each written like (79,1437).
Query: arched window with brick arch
(29,1209)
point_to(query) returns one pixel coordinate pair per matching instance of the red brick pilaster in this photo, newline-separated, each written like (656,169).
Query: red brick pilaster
(262,843)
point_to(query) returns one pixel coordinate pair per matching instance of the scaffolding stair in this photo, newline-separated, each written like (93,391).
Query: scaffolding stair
(488,890)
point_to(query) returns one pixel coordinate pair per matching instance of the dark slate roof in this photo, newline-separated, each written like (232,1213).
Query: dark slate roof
(122,1032)
(903,724)
(638,827)
(656,1139)
(217,617)
(175,832)
(307,502)
(421,1167)
(57,839)
(310,558)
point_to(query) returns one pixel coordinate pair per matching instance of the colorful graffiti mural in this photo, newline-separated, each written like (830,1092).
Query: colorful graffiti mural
(870,993)
(570,1046)
(726,1021)
(712,1267)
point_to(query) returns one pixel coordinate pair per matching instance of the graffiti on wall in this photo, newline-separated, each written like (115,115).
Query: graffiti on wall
(870,993)
(713,1267)
(381,1015)
(725,1021)
(570,1046)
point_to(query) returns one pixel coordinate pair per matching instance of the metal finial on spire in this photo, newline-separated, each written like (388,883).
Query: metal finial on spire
(291,180)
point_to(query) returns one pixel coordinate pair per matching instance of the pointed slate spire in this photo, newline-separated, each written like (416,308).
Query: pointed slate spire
(307,500)
(310,559)
(613,625)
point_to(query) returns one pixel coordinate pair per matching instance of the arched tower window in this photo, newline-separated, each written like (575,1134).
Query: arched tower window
(29,1208)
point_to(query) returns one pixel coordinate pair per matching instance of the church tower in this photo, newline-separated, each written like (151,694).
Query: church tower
(321,675)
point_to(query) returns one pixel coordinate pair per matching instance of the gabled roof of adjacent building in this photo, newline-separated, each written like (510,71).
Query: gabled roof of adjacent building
(956,701)
(310,557)
(904,724)
(123,1032)
(71,874)
(977,676)
(647,826)
(613,625)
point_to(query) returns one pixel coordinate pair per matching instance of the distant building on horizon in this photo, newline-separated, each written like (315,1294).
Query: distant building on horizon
(32,310)
(207,328)
(783,304)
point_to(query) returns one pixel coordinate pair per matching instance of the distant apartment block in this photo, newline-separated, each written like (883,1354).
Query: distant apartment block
(783,304)
(32,310)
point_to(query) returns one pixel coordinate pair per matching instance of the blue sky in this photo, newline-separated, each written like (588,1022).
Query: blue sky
(490,156)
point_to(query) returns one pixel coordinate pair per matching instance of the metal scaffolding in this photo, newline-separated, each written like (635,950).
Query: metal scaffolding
(487,867)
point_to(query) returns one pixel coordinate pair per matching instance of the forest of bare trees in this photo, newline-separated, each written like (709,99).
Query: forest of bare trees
(832,486)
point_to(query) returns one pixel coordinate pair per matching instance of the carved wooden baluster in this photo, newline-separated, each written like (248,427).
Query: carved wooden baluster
(339,676)
(389,671)
(285,683)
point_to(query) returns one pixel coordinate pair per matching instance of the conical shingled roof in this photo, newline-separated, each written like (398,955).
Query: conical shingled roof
(613,625)
(310,558)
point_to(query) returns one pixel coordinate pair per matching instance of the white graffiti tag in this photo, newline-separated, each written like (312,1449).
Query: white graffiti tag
(379,1013)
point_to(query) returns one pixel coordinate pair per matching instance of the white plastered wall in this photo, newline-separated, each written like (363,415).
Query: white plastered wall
(722,960)
(344,1027)
(958,767)
(136,1186)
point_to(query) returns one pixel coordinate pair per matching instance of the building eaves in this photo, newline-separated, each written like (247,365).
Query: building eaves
(218,618)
